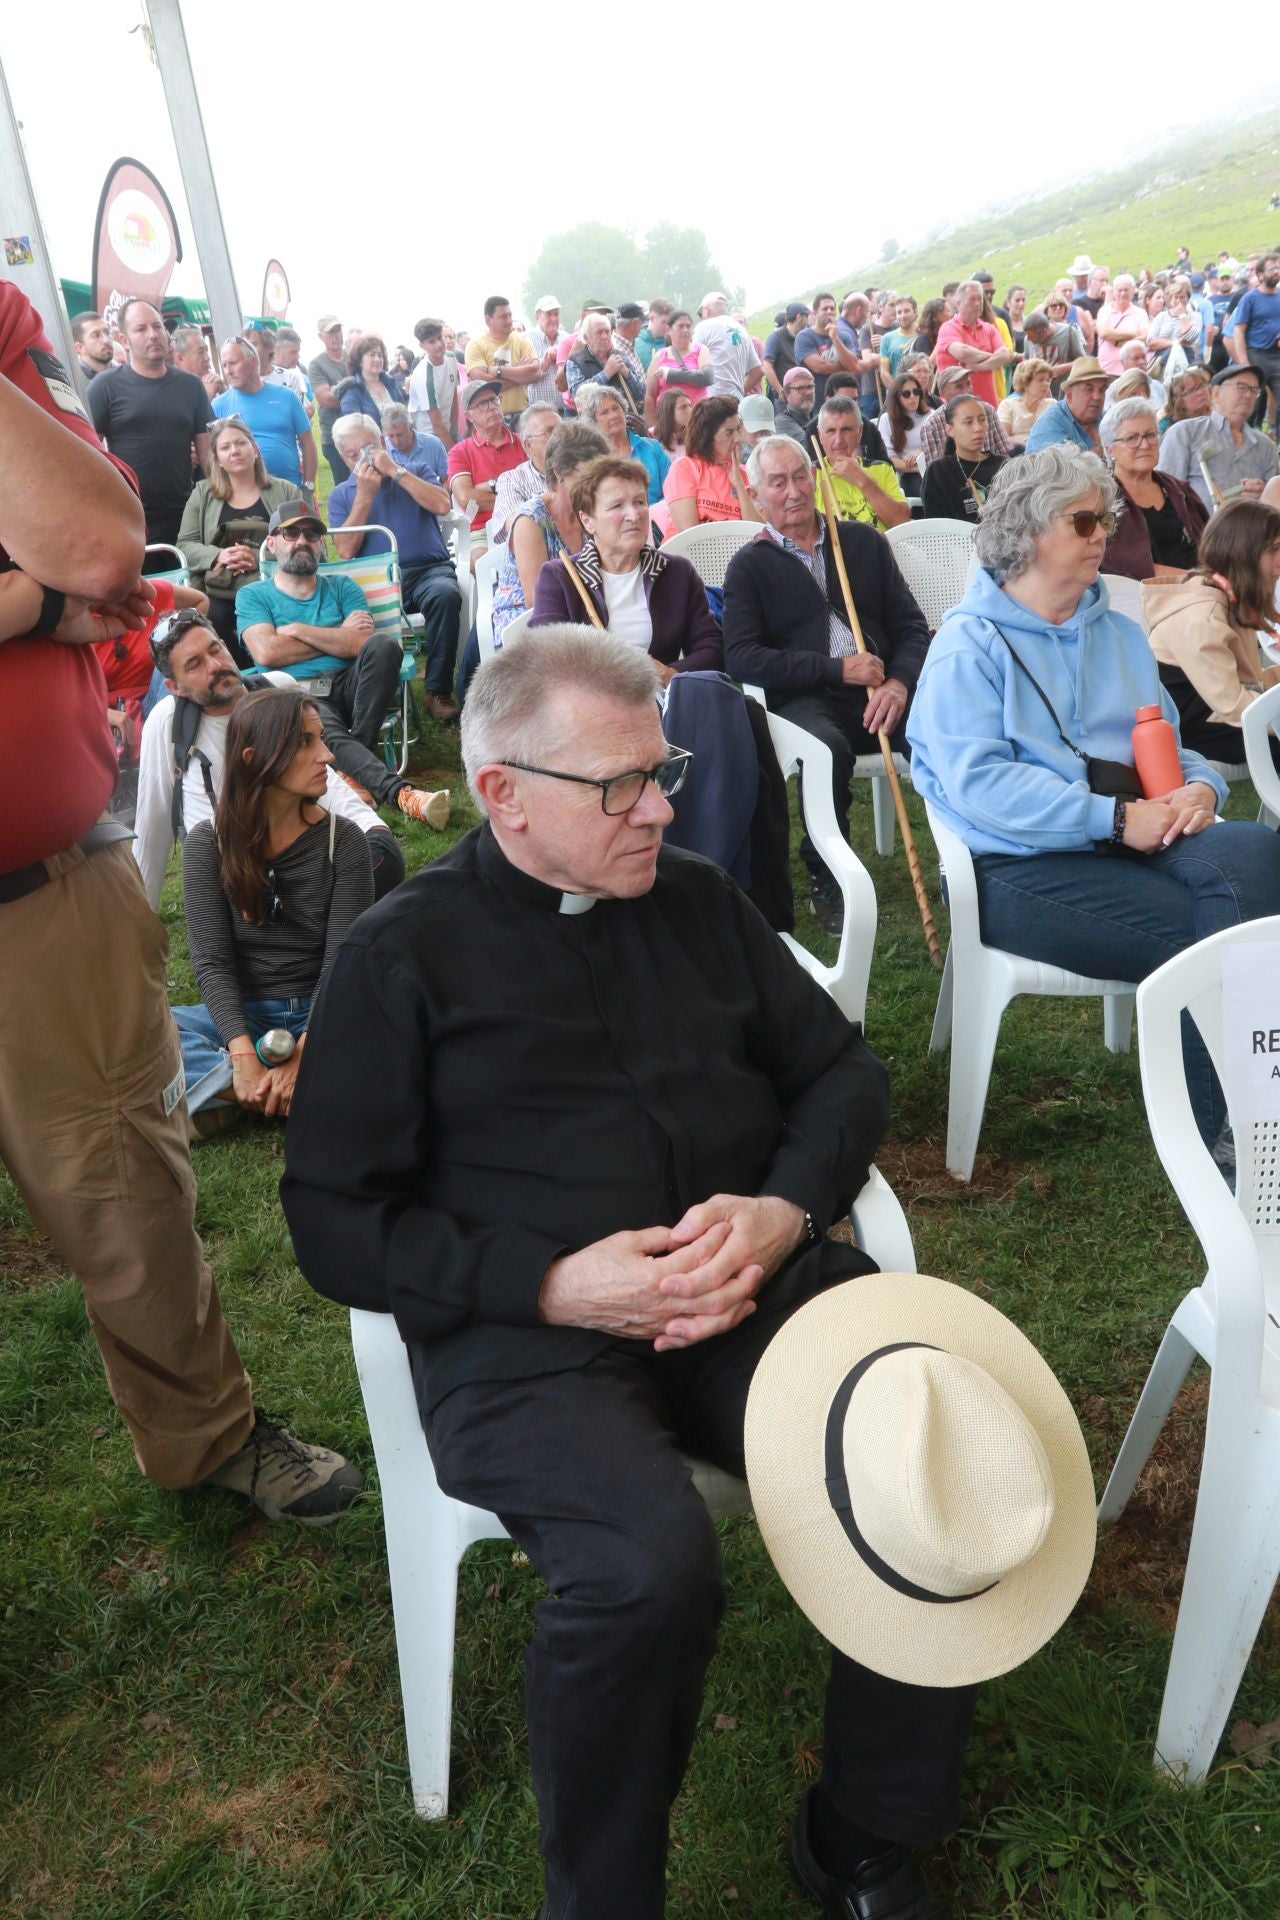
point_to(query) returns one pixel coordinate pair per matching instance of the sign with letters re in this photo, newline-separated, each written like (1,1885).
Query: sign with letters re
(1251,1030)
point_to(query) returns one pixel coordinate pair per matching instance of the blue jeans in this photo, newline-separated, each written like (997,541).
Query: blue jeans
(1121,918)
(205,1060)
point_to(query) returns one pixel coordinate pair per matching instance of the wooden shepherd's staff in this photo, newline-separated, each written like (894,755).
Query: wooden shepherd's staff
(855,627)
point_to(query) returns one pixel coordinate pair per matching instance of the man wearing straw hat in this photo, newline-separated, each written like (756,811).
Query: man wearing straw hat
(592,1188)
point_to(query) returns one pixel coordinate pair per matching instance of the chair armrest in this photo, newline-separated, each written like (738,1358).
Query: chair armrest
(880,1226)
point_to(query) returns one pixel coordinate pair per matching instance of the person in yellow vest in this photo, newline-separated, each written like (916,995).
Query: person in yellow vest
(870,493)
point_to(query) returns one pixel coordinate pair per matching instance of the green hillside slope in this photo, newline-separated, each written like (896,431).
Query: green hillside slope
(1209,191)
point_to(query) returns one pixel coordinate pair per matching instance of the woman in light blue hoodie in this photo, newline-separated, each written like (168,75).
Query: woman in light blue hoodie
(1028,680)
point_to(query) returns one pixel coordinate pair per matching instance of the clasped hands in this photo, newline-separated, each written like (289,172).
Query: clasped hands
(1152,824)
(676,1285)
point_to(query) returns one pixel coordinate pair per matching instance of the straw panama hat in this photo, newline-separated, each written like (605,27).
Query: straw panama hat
(920,1480)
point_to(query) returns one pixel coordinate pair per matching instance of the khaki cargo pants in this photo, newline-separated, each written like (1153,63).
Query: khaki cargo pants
(87,1050)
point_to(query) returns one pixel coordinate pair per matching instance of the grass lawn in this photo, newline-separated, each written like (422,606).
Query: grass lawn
(199,1712)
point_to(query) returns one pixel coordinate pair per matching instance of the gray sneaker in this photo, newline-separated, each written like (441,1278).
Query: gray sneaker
(287,1479)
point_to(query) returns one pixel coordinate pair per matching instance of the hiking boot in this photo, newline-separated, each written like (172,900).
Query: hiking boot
(211,1120)
(361,793)
(433,808)
(286,1479)
(441,707)
(826,904)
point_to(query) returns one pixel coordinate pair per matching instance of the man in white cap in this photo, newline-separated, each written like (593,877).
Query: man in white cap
(755,410)
(591,1187)
(545,335)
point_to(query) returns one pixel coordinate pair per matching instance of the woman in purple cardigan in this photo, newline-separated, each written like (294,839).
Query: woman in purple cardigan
(650,599)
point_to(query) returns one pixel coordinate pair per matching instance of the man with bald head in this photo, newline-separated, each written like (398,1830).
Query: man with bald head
(150,415)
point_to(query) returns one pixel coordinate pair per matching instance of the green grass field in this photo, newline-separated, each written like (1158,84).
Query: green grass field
(1208,192)
(199,1713)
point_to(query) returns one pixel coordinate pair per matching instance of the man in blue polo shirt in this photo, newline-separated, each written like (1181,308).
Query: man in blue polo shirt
(1255,335)
(1073,418)
(403,487)
(274,416)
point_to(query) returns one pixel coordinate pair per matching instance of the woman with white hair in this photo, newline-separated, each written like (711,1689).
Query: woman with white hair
(535,427)
(602,408)
(1020,736)
(1160,518)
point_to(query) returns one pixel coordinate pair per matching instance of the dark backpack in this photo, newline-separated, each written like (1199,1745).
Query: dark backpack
(186,725)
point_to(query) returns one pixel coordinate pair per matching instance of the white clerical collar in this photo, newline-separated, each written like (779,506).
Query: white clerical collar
(577,902)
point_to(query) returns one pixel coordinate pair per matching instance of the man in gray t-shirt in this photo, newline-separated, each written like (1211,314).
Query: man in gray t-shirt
(324,373)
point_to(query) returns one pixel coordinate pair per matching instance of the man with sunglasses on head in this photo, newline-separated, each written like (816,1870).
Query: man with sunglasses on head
(570,1110)
(184,748)
(295,618)
(93,1120)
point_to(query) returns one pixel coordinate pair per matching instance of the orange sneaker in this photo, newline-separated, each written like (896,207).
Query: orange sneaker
(433,808)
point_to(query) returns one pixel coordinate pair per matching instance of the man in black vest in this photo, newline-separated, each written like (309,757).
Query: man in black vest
(574,1115)
(785,630)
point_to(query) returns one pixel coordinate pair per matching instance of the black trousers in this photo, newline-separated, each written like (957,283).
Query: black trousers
(834,716)
(352,713)
(432,590)
(584,1470)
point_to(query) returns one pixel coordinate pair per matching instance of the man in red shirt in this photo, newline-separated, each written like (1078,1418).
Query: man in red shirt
(970,341)
(489,449)
(93,1122)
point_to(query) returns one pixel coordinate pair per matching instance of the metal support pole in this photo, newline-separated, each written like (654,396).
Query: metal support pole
(170,41)
(22,232)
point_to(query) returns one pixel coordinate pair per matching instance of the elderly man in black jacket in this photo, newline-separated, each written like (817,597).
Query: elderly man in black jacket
(785,630)
(570,1111)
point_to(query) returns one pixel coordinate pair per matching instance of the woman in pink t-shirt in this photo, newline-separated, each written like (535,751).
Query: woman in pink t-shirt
(679,368)
(706,483)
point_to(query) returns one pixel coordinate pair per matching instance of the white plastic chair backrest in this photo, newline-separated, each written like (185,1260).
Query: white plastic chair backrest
(962,886)
(846,981)
(1240,1233)
(514,628)
(1126,596)
(710,548)
(937,560)
(486,577)
(1259,716)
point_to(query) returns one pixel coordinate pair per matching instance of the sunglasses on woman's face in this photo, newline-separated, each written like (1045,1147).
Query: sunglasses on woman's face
(1085,523)
(908,393)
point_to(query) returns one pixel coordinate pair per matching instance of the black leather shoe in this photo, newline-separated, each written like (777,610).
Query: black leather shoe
(889,1886)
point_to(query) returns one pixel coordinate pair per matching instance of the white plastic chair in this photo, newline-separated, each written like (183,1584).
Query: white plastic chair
(1259,717)
(486,579)
(460,526)
(514,628)
(846,981)
(428,1533)
(1125,596)
(937,560)
(1232,1321)
(978,982)
(710,548)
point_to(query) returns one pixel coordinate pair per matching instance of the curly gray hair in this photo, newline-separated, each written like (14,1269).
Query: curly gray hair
(1027,496)
(1134,409)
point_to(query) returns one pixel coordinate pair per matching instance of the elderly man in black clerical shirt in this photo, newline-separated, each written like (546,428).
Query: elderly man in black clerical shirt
(575,1116)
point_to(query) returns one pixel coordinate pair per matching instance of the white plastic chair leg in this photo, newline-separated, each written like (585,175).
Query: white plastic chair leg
(1231,1572)
(1117,1021)
(973,1048)
(882,815)
(942,1013)
(1164,1382)
(424,1600)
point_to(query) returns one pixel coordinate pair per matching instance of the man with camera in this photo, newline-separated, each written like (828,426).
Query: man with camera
(405,491)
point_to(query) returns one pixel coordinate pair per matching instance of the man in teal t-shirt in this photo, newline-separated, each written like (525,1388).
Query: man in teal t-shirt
(323,626)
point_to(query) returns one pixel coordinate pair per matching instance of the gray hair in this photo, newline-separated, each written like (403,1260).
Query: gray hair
(395,414)
(591,396)
(508,715)
(840,406)
(763,446)
(1026,497)
(534,407)
(571,445)
(182,337)
(1132,409)
(349,424)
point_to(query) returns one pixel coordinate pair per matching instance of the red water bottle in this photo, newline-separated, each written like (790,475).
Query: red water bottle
(1155,753)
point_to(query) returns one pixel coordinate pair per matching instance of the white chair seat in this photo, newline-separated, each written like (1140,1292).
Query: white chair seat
(978,982)
(1232,1321)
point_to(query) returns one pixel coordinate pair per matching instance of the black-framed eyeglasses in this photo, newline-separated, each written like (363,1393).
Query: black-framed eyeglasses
(171,627)
(274,905)
(623,791)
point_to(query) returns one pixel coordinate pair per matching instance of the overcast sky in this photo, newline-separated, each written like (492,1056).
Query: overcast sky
(355,159)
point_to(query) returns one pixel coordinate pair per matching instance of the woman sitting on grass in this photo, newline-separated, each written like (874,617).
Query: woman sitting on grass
(271,885)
